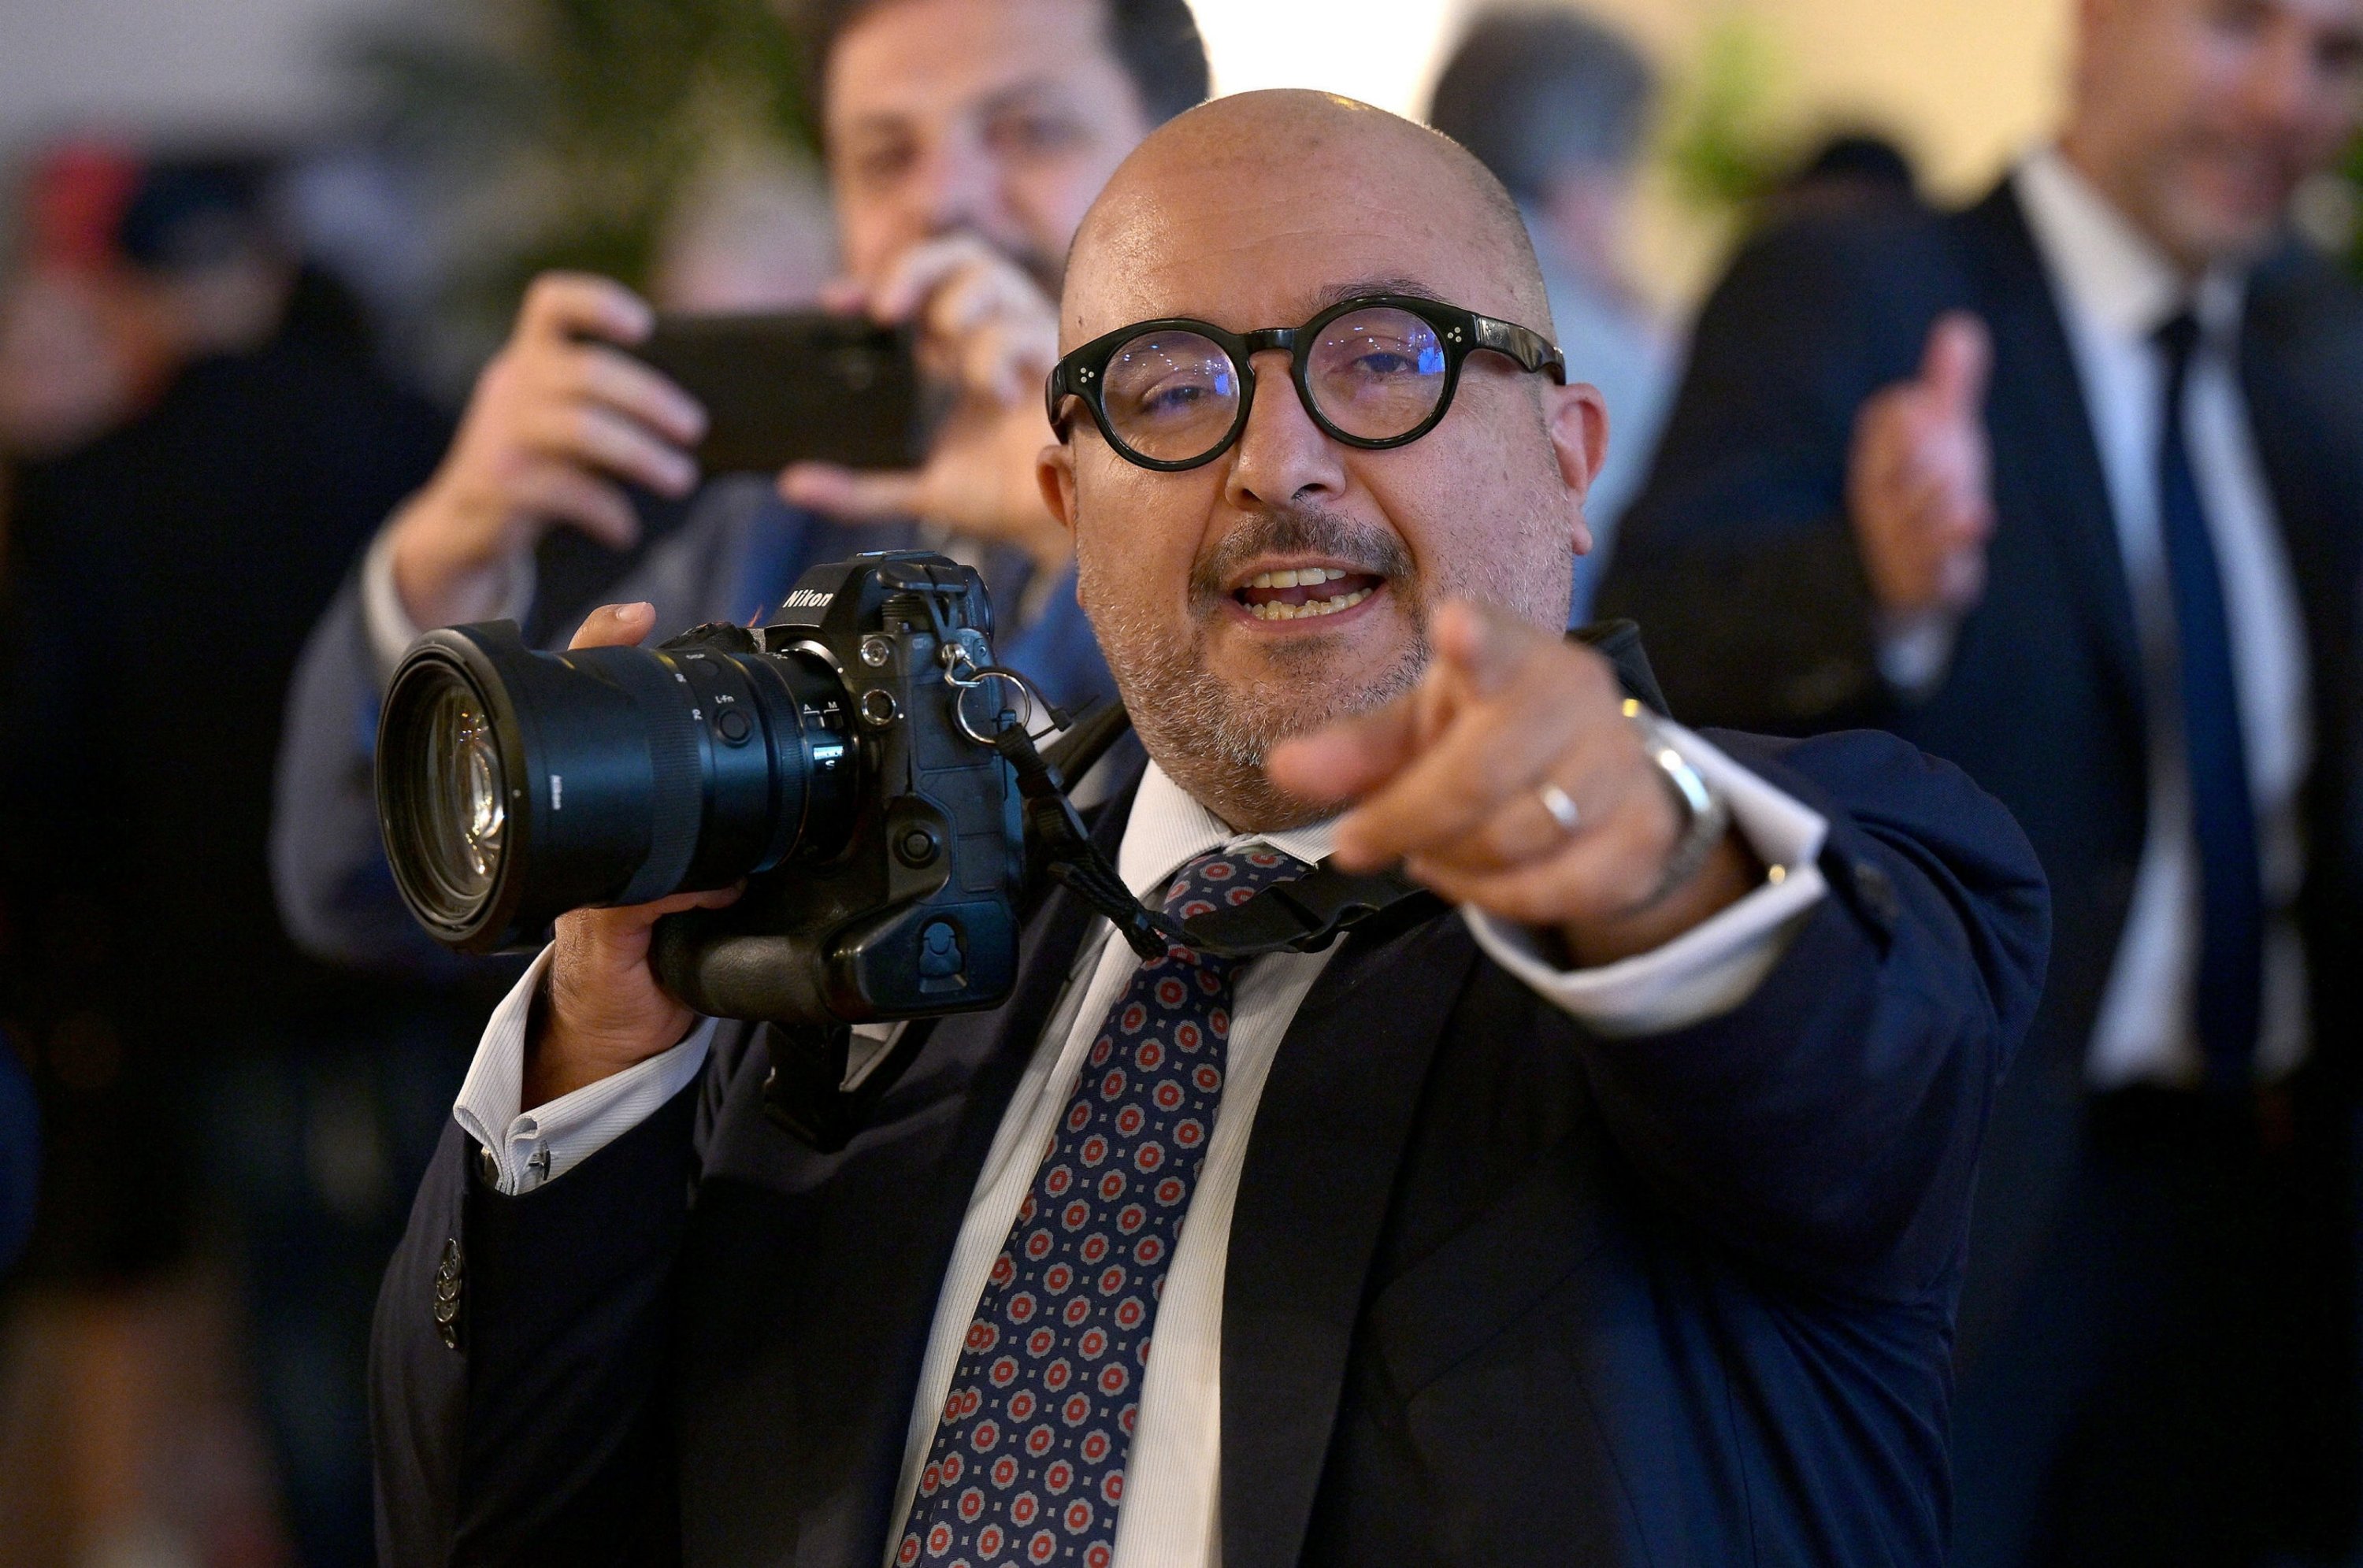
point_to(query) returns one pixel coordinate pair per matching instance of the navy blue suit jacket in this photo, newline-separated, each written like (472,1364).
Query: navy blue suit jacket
(1499,1290)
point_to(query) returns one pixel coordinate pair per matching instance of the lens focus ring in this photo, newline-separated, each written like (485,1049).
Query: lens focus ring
(676,802)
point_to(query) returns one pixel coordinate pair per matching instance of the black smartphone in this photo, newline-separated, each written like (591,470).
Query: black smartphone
(792,387)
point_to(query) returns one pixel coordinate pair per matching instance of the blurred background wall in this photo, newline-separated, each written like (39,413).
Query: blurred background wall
(193,66)
(1962,82)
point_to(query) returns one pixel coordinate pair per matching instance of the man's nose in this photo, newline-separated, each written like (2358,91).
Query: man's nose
(956,183)
(1283,457)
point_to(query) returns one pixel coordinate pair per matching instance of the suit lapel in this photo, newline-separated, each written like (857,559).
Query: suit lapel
(1329,1132)
(2040,409)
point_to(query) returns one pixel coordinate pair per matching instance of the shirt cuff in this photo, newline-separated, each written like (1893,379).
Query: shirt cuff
(1716,965)
(535,1147)
(390,630)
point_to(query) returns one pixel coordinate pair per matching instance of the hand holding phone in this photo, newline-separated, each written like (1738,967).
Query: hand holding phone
(561,420)
(986,330)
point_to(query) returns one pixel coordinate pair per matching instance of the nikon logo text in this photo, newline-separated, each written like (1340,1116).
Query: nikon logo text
(808,598)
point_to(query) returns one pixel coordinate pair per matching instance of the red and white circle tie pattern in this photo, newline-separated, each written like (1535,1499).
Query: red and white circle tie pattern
(1028,1459)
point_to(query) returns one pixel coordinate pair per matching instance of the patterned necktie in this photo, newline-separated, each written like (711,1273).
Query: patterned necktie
(1028,1459)
(2229,996)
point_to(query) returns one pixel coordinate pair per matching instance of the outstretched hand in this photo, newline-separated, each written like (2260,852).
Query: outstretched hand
(1451,779)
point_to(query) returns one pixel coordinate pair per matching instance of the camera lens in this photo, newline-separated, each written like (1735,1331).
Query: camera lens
(514,785)
(460,788)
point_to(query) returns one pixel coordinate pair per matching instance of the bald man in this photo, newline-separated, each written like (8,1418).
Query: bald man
(1601,1203)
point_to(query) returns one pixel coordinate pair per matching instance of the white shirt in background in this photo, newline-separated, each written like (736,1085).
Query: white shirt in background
(2114,290)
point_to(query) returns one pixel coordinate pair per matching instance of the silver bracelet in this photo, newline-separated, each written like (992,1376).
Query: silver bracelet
(1706,815)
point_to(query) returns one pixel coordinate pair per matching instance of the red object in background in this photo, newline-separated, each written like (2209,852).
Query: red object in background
(74,203)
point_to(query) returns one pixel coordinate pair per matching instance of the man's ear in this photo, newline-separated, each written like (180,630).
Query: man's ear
(1054,470)
(1577,417)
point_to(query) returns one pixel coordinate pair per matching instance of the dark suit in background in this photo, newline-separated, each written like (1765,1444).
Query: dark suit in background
(20,1154)
(1499,1290)
(162,579)
(2114,1235)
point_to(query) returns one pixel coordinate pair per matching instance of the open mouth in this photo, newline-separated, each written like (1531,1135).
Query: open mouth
(1303,592)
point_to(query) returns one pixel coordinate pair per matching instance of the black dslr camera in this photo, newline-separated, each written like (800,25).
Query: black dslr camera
(849,760)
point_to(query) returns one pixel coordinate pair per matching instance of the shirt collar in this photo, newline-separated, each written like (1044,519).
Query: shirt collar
(1167,829)
(2110,271)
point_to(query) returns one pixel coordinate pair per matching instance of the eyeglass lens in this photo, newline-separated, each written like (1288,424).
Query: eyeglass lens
(1170,396)
(1375,374)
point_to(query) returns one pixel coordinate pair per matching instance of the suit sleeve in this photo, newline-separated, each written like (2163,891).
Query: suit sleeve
(1738,560)
(335,892)
(1829,1126)
(538,1430)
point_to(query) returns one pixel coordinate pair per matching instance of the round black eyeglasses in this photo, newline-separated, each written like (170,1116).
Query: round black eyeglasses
(1376,371)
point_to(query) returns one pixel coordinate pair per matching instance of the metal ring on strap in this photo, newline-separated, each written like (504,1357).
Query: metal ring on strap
(966,677)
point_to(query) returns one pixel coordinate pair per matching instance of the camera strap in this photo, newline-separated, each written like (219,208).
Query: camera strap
(805,1091)
(1303,916)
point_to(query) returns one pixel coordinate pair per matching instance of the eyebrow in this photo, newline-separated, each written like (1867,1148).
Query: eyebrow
(1337,293)
(1000,100)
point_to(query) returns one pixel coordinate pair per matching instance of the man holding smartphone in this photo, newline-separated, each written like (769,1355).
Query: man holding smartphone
(964,138)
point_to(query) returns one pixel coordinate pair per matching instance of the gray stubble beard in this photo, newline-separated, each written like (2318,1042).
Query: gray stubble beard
(1213,740)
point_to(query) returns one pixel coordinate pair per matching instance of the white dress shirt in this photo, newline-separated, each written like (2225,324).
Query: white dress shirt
(2115,289)
(1172,1511)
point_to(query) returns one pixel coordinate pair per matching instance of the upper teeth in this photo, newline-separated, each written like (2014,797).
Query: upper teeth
(1304,577)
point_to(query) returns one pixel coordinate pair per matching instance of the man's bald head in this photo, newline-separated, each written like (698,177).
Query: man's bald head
(1291,578)
(1318,166)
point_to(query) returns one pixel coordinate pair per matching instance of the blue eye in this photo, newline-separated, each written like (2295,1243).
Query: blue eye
(1185,393)
(1173,399)
(1427,360)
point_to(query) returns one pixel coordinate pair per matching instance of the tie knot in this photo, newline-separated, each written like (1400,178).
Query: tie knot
(1228,877)
(2180,338)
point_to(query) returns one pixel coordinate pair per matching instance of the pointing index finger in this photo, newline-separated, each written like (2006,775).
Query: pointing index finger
(1348,758)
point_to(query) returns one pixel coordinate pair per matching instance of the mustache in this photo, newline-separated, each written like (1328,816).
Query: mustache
(1290,530)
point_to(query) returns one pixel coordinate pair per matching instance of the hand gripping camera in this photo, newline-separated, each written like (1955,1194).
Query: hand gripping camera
(842,760)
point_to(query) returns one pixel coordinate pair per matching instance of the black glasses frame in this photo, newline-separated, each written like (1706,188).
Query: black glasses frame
(1461,333)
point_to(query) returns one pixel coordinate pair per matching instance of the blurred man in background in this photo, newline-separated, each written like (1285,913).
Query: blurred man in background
(1559,106)
(964,139)
(2069,486)
(193,454)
